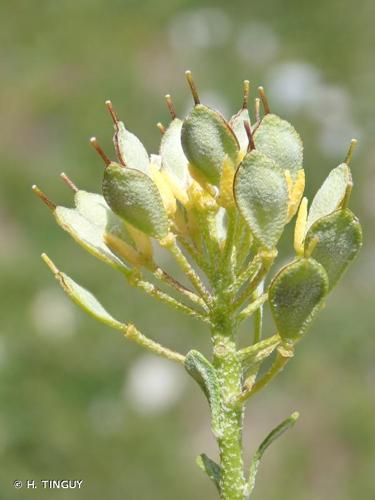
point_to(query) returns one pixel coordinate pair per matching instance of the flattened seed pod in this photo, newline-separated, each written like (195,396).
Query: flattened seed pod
(295,296)
(339,239)
(331,194)
(206,139)
(133,196)
(278,140)
(261,194)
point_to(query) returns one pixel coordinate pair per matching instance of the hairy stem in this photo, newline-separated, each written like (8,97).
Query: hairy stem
(229,372)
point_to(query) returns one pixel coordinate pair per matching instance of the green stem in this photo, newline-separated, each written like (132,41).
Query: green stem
(229,372)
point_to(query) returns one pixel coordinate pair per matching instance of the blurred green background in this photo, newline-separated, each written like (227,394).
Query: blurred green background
(76,400)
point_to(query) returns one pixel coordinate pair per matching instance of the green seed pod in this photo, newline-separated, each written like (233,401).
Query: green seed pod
(339,239)
(237,125)
(206,139)
(278,140)
(173,159)
(93,207)
(130,150)
(88,234)
(295,295)
(133,196)
(331,194)
(261,194)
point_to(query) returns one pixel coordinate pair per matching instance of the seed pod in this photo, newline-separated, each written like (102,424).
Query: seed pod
(278,140)
(94,208)
(237,125)
(133,196)
(261,194)
(237,121)
(331,194)
(130,150)
(339,239)
(173,159)
(87,234)
(206,139)
(295,296)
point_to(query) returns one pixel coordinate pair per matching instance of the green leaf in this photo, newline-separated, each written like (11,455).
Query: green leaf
(295,296)
(133,196)
(173,159)
(130,149)
(88,235)
(237,125)
(211,468)
(272,436)
(261,195)
(277,139)
(331,194)
(82,297)
(204,373)
(339,239)
(206,139)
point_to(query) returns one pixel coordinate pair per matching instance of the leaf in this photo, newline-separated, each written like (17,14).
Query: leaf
(331,194)
(133,196)
(87,234)
(82,297)
(204,373)
(211,468)
(130,149)
(295,296)
(261,195)
(272,436)
(237,125)
(206,139)
(277,139)
(173,159)
(339,239)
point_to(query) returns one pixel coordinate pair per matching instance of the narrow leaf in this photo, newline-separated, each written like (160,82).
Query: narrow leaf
(82,297)
(339,239)
(331,194)
(211,468)
(276,433)
(261,195)
(295,295)
(277,139)
(204,374)
(130,149)
(133,196)
(206,139)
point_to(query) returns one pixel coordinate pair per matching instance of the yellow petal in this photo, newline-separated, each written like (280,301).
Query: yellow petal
(295,190)
(167,196)
(177,191)
(300,228)
(226,184)
(141,240)
(121,248)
